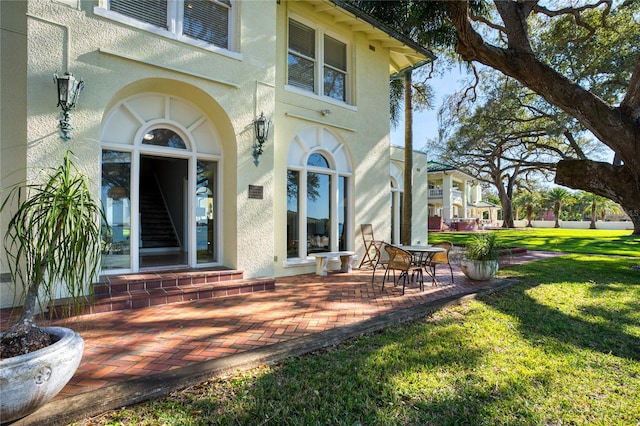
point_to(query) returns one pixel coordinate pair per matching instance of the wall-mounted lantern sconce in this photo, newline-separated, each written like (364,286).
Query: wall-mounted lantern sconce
(261,127)
(68,92)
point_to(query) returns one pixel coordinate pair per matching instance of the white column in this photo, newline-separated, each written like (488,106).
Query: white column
(447,208)
(465,198)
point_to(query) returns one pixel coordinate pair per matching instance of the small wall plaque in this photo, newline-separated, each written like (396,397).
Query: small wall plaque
(255,192)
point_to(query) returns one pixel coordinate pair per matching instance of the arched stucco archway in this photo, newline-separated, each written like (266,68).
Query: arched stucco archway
(176,148)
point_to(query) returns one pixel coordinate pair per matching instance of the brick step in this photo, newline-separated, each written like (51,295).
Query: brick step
(141,290)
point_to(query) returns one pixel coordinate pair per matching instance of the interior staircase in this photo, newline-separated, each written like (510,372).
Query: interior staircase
(157,228)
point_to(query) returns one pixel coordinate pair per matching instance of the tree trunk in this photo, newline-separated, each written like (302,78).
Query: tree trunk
(25,336)
(507,209)
(556,213)
(507,213)
(407,203)
(505,193)
(602,179)
(616,127)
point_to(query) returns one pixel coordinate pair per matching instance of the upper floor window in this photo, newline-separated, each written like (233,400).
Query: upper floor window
(335,68)
(317,62)
(195,21)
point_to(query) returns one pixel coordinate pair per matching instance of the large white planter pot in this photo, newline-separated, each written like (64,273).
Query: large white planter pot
(479,270)
(29,381)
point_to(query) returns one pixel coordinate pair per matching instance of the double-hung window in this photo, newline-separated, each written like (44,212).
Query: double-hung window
(200,22)
(317,62)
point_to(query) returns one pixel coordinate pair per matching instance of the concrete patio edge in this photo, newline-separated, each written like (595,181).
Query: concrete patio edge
(89,404)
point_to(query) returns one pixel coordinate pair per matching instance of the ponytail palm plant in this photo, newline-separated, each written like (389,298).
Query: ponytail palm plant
(52,246)
(480,261)
(483,247)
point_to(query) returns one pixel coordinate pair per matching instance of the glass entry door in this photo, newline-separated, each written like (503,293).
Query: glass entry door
(116,200)
(162,211)
(159,217)
(206,211)
(160,185)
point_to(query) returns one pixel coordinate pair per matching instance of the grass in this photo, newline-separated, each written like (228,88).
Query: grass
(587,241)
(560,347)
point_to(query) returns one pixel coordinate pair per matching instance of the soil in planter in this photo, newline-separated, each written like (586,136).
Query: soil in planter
(23,339)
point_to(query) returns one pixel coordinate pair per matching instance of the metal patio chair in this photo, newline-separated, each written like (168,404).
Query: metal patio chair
(401,260)
(441,258)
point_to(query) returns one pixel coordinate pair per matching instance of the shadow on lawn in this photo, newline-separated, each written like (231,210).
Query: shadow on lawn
(389,378)
(356,382)
(605,332)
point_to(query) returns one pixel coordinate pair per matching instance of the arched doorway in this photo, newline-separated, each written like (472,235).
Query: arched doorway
(160,185)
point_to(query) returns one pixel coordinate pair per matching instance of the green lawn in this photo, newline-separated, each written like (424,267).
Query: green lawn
(560,347)
(588,241)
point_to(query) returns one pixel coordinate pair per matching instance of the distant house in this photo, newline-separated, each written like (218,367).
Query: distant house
(455,200)
(165,125)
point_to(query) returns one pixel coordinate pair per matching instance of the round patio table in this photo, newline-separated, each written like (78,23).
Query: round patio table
(422,255)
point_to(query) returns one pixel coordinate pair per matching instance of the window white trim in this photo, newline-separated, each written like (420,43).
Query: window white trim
(319,63)
(174,23)
(326,99)
(320,140)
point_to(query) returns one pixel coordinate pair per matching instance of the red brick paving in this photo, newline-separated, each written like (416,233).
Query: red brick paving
(125,345)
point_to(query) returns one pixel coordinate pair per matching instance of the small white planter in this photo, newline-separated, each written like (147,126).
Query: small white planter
(479,270)
(29,381)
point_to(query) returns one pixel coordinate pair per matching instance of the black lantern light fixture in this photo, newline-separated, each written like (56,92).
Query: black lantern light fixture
(261,127)
(69,89)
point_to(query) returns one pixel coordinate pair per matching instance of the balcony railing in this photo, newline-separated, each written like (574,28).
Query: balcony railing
(456,195)
(435,193)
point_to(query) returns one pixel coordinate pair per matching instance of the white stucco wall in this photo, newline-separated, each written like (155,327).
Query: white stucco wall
(574,224)
(363,126)
(118,61)
(13,66)
(420,195)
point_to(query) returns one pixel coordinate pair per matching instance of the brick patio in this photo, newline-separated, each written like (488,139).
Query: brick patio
(130,346)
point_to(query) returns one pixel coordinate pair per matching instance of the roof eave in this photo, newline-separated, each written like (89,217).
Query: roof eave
(418,56)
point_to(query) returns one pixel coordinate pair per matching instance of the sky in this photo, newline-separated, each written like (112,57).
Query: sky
(425,123)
